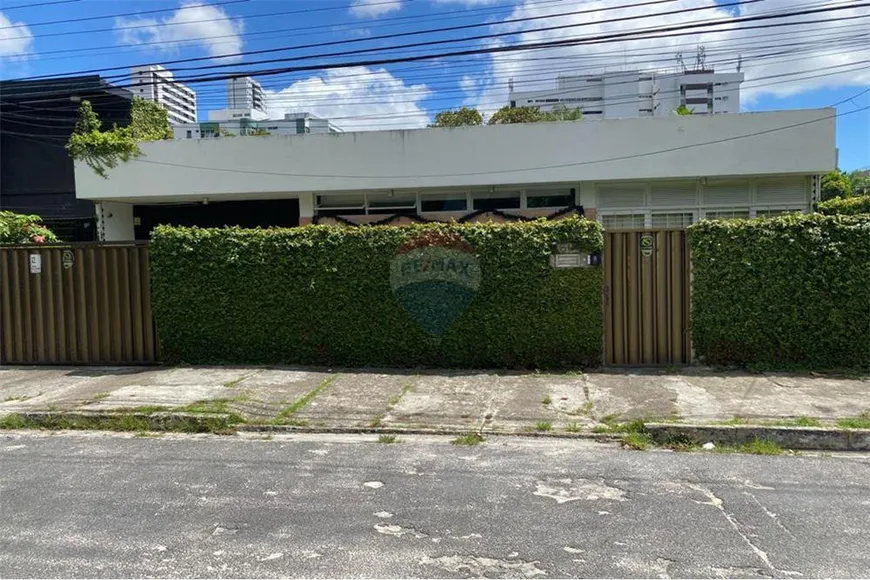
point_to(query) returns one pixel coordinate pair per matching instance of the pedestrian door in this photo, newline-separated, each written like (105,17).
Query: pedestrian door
(646,298)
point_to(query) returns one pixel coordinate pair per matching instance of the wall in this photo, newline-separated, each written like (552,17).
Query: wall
(115,222)
(783,142)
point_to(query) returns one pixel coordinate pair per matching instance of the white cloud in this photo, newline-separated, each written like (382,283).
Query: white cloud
(192,24)
(14,41)
(373,8)
(766,52)
(355,99)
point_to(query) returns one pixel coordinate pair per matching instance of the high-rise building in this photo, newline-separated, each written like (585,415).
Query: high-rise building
(638,94)
(245,93)
(155,83)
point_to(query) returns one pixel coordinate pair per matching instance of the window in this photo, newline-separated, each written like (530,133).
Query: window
(491,200)
(189,134)
(391,203)
(549,197)
(774,212)
(727,214)
(448,201)
(672,220)
(622,222)
(341,204)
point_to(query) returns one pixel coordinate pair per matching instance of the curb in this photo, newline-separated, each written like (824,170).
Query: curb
(810,438)
(265,428)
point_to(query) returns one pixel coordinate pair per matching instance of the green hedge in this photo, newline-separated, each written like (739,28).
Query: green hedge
(845,205)
(787,292)
(322,295)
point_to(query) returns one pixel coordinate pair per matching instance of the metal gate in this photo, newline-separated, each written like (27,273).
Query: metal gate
(646,298)
(76,304)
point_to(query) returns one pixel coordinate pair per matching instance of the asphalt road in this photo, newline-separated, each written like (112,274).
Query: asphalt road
(96,505)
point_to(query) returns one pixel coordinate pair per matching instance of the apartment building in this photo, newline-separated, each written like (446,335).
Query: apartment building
(246,93)
(619,95)
(155,83)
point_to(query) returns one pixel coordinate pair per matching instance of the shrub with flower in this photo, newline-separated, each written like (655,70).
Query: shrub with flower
(16,228)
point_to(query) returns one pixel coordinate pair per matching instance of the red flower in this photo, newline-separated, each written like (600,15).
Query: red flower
(38,239)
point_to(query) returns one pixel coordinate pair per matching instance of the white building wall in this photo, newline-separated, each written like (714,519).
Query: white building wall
(115,221)
(245,93)
(638,94)
(712,146)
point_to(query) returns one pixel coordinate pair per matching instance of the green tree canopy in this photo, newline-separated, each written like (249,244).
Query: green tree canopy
(462,117)
(103,150)
(683,110)
(511,115)
(860,180)
(836,184)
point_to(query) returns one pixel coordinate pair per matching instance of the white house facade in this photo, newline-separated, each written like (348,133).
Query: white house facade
(629,173)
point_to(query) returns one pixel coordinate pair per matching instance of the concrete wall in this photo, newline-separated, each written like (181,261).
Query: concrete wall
(772,143)
(115,222)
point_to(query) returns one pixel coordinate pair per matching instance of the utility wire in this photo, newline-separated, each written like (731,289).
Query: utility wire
(138,13)
(22,6)
(519,47)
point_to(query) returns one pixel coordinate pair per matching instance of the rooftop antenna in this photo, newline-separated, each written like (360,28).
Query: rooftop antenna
(682,65)
(701,58)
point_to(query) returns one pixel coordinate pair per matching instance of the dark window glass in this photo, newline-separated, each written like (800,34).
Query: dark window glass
(548,201)
(443,205)
(491,203)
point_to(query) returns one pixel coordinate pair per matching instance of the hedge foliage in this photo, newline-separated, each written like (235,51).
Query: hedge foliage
(845,205)
(323,295)
(787,292)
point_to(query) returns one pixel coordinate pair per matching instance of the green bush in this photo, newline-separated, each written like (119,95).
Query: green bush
(845,205)
(784,292)
(322,295)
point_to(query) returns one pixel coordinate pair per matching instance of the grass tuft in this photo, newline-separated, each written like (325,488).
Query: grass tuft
(862,421)
(572,428)
(543,426)
(295,406)
(388,439)
(796,422)
(546,400)
(469,439)
(637,441)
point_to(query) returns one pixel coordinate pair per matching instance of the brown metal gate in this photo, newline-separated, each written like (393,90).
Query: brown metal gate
(76,304)
(646,298)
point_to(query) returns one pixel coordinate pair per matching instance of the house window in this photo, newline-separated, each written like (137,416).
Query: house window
(622,222)
(490,200)
(391,203)
(448,201)
(549,197)
(672,220)
(727,214)
(189,134)
(774,212)
(341,204)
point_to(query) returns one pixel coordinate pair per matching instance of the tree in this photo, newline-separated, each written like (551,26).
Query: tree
(683,111)
(835,184)
(260,132)
(563,113)
(860,180)
(16,228)
(103,150)
(511,115)
(459,118)
(221,132)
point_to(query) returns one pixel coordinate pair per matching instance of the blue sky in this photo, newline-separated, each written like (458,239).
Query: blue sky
(786,68)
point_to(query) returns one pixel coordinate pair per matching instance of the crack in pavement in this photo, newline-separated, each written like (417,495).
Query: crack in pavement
(770,514)
(719,504)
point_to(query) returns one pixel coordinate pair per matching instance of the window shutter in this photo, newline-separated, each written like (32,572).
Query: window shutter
(726,194)
(679,195)
(782,191)
(625,196)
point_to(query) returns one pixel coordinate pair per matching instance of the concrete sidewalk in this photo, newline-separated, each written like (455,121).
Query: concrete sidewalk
(494,401)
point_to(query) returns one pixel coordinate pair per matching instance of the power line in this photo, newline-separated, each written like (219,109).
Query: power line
(23,6)
(527,46)
(138,13)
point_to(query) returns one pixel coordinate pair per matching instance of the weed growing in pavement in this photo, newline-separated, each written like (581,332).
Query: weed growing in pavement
(543,426)
(862,421)
(469,439)
(733,421)
(19,398)
(377,421)
(235,382)
(796,422)
(546,400)
(637,441)
(13,421)
(388,439)
(285,414)
(572,428)
(216,406)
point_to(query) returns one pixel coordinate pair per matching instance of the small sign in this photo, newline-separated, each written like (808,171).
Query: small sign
(568,260)
(647,245)
(35,263)
(68,259)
